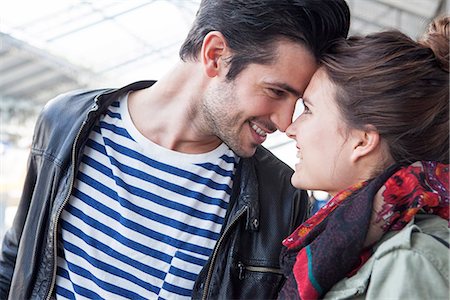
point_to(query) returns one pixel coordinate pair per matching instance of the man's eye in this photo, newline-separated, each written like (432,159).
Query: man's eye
(276,92)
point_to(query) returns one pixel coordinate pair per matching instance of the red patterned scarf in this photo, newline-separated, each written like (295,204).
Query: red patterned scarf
(330,245)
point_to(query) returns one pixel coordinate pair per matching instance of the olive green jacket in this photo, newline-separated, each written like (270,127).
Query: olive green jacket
(410,264)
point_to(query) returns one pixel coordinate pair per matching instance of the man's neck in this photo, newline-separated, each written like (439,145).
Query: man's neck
(166,113)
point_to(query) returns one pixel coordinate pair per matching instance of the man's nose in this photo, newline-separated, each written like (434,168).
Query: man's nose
(283,115)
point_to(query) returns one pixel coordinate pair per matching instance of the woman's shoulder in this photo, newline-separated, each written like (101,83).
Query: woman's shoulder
(413,263)
(426,238)
(426,234)
(407,264)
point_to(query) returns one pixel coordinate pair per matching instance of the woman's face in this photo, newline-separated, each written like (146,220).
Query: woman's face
(322,140)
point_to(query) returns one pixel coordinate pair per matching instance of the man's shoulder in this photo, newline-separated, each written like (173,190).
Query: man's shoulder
(60,120)
(265,159)
(71,102)
(68,110)
(270,170)
(82,100)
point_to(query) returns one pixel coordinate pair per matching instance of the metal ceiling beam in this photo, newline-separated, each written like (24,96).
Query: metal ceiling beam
(22,51)
(56,15)
(424,9)
(72,31)
(32,85)
(11,60)
(18,73)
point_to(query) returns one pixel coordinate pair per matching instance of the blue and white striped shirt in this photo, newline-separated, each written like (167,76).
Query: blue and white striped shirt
(142,220)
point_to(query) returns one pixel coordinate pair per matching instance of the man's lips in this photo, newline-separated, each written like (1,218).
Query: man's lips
(263,128)
(258,130)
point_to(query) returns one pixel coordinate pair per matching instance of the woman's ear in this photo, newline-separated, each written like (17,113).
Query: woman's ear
(214,50)
(365,142)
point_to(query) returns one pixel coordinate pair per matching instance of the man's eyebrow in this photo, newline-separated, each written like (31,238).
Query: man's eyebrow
(287,88)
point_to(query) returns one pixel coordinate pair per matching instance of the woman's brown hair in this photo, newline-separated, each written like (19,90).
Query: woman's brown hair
(399,86)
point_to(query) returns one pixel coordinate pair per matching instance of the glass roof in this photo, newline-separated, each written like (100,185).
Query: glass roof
(118,40)
(114,42)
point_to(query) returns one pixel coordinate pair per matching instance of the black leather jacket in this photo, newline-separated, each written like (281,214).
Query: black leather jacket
(264,209)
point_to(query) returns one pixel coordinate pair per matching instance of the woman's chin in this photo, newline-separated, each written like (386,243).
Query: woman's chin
(296,181)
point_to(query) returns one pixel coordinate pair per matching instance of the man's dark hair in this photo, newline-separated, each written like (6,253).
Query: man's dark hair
(252,27)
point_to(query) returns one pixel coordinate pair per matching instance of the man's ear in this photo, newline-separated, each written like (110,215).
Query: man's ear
(365,142)
(214,50)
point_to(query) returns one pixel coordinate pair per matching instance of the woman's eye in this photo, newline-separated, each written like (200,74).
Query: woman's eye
(300,109)
(306,111)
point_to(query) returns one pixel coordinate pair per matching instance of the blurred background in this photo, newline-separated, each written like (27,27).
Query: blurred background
(51,46)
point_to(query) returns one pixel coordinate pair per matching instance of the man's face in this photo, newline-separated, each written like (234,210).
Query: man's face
(260,100)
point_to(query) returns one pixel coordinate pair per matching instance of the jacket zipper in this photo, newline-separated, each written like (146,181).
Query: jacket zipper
(242,268)
(58,213)
(216,250)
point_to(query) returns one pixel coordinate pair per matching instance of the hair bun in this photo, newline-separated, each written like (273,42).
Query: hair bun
(437,39)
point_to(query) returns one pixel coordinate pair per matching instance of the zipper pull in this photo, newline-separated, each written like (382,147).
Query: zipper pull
(241,268)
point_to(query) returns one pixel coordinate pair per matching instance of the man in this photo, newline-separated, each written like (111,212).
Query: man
(162,190)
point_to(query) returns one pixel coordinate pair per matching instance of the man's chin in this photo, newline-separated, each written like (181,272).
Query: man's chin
(245,152)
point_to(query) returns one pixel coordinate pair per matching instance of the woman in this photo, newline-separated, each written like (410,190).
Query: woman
(374,133)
